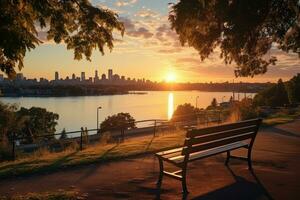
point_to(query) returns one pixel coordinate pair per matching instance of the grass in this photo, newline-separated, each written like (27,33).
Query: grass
(281,117)
(45,161)
(59,195)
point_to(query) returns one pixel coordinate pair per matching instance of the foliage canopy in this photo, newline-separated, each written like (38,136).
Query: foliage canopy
(77,23)
(120,121)
(243,30)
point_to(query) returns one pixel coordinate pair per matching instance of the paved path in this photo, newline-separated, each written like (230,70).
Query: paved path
(276,164)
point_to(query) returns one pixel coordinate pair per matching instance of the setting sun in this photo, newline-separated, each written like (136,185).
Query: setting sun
(171,77)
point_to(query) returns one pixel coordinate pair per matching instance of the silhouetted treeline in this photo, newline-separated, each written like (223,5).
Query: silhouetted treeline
(94,90)
(60,90)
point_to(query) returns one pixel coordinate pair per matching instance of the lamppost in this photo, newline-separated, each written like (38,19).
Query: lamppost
(197,101)
(98,117)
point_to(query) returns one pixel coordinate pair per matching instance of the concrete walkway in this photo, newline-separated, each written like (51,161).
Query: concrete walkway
(276,165)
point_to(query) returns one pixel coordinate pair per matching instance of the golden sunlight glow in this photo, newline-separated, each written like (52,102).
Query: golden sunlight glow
(171,77)
(170,105)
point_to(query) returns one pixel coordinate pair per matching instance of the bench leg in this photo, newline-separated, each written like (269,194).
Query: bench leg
(161,173)
(249,159)
(228,157)
(183,182)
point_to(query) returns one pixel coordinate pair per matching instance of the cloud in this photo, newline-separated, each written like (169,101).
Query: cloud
(132,30)
(188,60)
(146,13)
(170,51)
(122,3)
(129,25)
(140,32)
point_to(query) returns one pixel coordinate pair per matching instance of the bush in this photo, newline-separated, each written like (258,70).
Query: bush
(120,121)
(245,109)
(185,112)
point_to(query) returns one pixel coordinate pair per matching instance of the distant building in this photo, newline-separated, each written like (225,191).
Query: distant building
(110,74)
(96,78)
(56,76)
(103,77)
(73,77)
(82,76)
(19,76)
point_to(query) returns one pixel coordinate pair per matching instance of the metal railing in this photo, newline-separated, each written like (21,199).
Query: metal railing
(84,136)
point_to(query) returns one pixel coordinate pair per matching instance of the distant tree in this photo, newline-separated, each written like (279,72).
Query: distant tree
(185,112)
(120,121)
(280,98)
(7,121)
(274,96)
(293,89)
(40,121)
(214,103)
(242,30)
(63,135)
(77,23)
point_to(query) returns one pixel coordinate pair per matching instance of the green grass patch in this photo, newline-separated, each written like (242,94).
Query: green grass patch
(46,161)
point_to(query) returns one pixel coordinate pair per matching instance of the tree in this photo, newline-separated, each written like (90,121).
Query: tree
(214,103)
(39,122)
(63,135)
(293,89)
(120,121)
(274,96)
(185,112)
(77,23)
(244,31)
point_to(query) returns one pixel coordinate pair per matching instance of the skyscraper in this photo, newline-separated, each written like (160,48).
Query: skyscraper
(73,77)
(96,78)
(82,76)
(56,76)
(110,74)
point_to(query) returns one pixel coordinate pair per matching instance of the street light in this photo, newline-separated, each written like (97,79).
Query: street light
(98,117)
(197,101)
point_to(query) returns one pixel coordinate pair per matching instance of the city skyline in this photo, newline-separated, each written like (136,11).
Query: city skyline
(148,49)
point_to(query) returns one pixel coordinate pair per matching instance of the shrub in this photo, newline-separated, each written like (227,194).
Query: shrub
(120,121)
(185,112)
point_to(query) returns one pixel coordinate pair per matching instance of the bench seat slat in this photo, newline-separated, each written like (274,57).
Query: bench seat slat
(171,151)
(216,143)
(220,135)
(214,129)
(209,152)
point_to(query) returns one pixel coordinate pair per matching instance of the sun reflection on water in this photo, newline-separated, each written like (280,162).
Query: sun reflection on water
(170,105)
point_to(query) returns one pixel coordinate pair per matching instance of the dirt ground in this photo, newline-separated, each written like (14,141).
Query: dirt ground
(276,163)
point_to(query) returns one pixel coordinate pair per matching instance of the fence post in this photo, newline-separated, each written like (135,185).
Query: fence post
(81,134)
(13,147)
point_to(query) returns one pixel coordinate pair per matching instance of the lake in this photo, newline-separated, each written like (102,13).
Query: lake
(76,112)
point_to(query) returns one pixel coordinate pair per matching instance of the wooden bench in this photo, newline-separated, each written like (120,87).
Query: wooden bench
(206,142)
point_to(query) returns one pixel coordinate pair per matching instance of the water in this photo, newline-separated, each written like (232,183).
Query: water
(76,112)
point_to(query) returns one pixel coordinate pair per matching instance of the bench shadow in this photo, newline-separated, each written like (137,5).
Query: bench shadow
(240,189)
(284,132)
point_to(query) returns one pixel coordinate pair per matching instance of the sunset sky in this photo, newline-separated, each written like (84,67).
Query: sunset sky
(149,49)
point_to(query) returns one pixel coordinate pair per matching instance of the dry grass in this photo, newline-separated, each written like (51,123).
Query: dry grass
(44,161)
(59,195)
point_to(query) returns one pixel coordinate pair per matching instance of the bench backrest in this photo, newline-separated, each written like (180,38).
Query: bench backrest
(215,136)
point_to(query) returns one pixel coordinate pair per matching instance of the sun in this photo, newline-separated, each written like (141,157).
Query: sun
(171,77)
